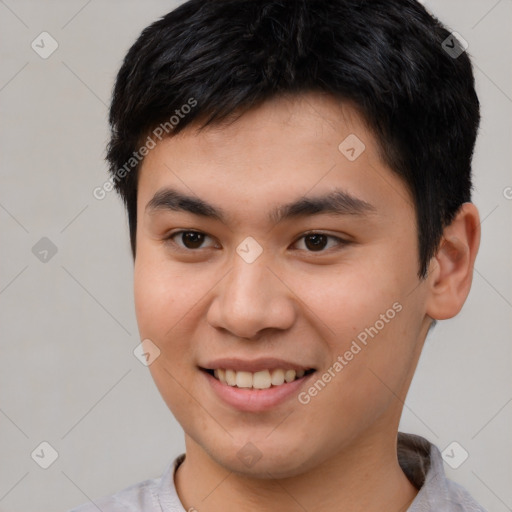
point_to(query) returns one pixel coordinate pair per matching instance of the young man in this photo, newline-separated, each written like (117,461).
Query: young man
(297,176)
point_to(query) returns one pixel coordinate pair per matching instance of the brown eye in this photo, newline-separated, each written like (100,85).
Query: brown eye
(187,240)
(317,242)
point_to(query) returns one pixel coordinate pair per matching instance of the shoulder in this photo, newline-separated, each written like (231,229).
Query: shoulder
(135,498)
(423,464)
(459,499)
(146,496)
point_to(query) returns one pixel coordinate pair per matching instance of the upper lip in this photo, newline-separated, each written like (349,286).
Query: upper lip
(254,365)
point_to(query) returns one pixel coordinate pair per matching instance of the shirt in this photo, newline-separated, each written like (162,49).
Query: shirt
(420,460)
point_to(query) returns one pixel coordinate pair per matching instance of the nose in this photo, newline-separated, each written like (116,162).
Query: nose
(250,299)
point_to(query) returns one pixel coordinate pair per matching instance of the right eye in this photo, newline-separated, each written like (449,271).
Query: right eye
(190,240)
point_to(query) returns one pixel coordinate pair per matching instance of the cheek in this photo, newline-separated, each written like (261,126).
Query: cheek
(154,305)
(364,315)
(345,300)
(163,295)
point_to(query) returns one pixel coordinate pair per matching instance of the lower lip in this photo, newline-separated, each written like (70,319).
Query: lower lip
(255,400)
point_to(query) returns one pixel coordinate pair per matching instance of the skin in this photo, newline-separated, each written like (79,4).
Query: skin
(292,302)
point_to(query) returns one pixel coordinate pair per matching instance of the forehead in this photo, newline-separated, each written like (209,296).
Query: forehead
(282,150)
(308,118)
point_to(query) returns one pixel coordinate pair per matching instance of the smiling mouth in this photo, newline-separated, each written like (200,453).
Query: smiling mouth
(263,379)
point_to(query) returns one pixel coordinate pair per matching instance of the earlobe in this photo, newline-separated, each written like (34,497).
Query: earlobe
(451,271)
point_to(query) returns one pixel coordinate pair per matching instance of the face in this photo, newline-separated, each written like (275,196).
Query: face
(296,250)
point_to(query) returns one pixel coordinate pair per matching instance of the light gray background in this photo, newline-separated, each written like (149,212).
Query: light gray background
(68,375)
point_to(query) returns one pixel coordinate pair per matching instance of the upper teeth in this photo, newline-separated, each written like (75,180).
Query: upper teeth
(259,380)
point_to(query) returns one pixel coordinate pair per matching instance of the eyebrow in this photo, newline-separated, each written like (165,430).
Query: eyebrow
(336,202)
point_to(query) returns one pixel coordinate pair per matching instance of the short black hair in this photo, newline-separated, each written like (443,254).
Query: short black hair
(390,58)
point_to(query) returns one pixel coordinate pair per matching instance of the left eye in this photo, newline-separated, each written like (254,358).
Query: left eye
(316,242)
(313,241)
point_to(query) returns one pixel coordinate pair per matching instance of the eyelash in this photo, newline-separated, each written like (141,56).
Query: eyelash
(170,237)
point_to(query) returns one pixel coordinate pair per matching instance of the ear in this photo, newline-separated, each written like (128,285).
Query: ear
(451,269)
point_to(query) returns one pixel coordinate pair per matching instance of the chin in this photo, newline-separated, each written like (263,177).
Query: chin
(264,463)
